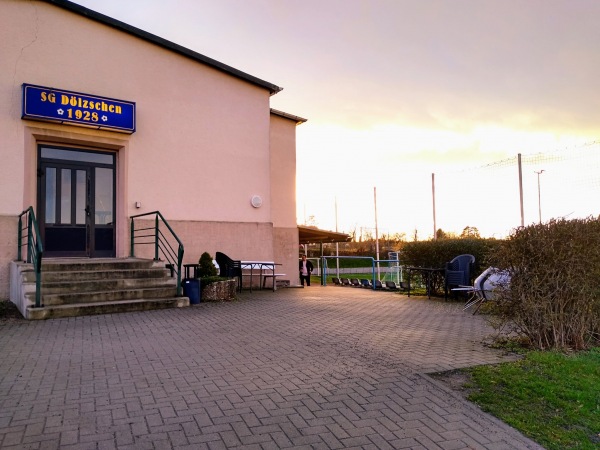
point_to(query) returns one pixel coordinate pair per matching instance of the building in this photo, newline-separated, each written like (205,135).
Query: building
(101,121)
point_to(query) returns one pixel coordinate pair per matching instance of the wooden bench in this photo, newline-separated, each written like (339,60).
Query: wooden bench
(271,275)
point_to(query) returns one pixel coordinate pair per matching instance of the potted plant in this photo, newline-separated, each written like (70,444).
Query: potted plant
(214,287)
(206,268)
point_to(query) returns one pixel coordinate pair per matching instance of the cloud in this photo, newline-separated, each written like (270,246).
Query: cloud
(432,63)
(396,89)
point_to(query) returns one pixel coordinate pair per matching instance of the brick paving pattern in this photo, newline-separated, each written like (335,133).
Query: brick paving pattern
(314,368)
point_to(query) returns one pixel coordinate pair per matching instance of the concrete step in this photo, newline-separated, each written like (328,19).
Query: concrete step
(93,265)
(109,307)
(107,296)
(61,276)
(80,286)
(109,284)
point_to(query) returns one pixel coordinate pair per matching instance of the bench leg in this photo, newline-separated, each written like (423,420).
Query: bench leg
(264,283)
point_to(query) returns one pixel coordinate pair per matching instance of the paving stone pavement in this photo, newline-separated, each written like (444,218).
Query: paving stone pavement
(315,368)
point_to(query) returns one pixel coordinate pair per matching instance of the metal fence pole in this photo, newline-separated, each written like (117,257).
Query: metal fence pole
(520,167)
(156,238)
(433,198)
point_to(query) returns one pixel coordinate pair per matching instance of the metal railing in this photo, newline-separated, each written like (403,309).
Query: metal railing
(153,235)
(29,235)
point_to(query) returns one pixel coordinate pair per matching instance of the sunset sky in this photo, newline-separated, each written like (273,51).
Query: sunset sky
(395,90)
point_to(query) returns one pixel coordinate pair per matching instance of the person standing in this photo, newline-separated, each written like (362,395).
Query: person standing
(306,268)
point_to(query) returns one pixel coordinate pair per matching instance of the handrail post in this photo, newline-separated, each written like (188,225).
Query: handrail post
(20,239)
(156,238)
(179,262)
(35,250)
(29,223)
(132,238)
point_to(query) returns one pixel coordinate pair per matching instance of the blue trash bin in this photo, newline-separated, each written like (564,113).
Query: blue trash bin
(191,289)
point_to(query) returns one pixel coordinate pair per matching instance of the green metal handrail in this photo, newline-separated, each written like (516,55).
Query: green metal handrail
(35,250)
(155,236)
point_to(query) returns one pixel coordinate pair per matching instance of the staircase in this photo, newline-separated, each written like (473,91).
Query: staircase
(77,287)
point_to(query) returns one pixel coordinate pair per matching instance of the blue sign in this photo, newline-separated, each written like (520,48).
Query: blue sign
(48,104)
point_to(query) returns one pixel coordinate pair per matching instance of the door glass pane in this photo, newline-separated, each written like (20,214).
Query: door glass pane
(50,213)
(104,196)
(80,197)
(65,196)
(75,155)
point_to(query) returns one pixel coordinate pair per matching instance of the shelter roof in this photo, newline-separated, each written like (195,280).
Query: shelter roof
(311,235)
(122,26)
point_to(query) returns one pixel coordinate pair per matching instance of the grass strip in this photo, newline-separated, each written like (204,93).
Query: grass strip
(553,398)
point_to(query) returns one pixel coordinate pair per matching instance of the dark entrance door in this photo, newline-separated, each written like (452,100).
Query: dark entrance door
(76,202)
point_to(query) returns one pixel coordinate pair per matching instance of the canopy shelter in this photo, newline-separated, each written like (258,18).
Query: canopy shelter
(310,235)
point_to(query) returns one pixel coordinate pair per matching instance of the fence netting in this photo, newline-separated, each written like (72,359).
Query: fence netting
(488,197)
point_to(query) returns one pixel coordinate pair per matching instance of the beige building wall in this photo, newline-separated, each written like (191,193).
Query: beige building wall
(283,194)
(203,145)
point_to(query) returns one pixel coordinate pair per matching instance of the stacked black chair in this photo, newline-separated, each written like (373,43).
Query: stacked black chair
(229,268)
(458,272)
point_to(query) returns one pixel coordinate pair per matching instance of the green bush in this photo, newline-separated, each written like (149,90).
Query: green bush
(206,268)
(436,253)
(553,298)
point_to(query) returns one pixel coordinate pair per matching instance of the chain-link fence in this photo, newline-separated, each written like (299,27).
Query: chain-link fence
(494,198)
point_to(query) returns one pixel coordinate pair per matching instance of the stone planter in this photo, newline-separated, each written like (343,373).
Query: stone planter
(219,291)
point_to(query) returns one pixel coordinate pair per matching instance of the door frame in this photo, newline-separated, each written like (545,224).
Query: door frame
(90,225)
